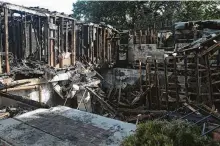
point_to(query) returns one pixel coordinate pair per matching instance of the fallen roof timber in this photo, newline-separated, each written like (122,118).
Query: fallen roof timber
(24,100)
(33,11)
(22,9)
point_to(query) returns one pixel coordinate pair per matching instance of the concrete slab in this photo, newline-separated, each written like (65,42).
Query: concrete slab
(63,126)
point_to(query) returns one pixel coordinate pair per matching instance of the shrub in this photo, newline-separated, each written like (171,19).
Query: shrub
(164,133)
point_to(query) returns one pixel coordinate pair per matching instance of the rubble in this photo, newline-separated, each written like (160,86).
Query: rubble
(56,60)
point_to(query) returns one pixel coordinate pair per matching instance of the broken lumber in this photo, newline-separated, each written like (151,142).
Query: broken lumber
(191,108)
(136,111)
(13,85)
(109,107)
(24,100)
(20,88)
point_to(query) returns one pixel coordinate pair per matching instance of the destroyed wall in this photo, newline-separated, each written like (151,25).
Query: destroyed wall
(122,77)
(141,44)
(187,32)
(140,52)
(54,38)
(96,43)
(38,44)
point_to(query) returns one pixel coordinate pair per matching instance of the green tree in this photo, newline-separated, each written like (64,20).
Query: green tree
(131,14)
(198,10)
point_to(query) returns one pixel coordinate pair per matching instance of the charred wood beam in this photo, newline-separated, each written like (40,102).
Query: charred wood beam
(39,37)
(59,36)
(90,43)
(140,72)
(176,82)
(18,37)
(66,36)
(214,48)
(104,103)
(148,83)
(25,37)
(13,85)
(166,82)
(1,49)
(20,88)
(156,84)
(30,38)
(185,74)
(14,41)
(24,100)
(197,78)
(37,40)
(73,44)
(136,111)
(209,81)
(103,44)
(6,40)
(21,39)
(51,41)
(46,37)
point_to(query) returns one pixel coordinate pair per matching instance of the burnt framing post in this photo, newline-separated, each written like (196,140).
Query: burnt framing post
(157,83)
(61,41)
(39,37)
(52,41)
(73,46)
(66,36)
(209,80)
(0,47)
(6,40)
(197,77)
(185,76)
(30,37)
(166,82)
(46,37)
(176,82)
(140,72)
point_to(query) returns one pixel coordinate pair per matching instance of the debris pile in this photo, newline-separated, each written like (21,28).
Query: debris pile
(12,111)
(69,84)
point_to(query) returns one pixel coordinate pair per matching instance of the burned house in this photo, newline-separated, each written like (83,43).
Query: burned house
(37,43)
(49,59)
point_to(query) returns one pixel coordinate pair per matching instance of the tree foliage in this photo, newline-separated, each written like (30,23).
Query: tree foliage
(131,14)
(164,133)
(198,10)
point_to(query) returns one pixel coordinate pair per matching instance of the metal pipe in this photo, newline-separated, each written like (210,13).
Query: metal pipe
(211,130)
(202,119)
(188,114)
